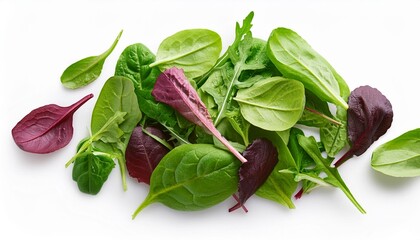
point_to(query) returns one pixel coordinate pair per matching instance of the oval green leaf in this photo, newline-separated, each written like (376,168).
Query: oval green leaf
(274,104)
(399,157)
(194,50)
(87,70)
(296,59)
(193,177)
(91,172)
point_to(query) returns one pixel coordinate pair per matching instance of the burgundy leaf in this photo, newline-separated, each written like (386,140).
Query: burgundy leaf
(173,88)
(46,129)
(262,158)
(144,153)
(369,117)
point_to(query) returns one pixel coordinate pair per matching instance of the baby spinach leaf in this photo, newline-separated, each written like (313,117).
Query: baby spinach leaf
(85,71)
(279,186)
(333,177)
(274,103)
(399,157)
(262,158)
(369,117)
(193,177)
(91,171)
(143,152)
(296,59)
(134,63)
(115,115)
(47,128)
(174,89)
(194,50)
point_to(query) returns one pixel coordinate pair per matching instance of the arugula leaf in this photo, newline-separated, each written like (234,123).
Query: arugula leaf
(333,177)
(334,136)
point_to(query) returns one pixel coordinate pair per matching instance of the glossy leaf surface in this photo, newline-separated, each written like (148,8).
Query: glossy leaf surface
(274,103)
(143,153)
(47,128)
(399,157)
(87,70)
(91,172)
(193,177)
(369,117)
(173,88)
(262,158)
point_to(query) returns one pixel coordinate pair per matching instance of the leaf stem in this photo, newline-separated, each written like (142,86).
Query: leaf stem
(149,199)
(333,121)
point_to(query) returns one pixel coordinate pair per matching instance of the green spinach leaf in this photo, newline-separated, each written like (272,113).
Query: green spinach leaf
(193,177)
(399,157)
(85,71)
(91,171)
(115,115)
(296,59)
(274,103)
(193,50)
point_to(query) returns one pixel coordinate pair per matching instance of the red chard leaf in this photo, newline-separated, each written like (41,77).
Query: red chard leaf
(262,158)
(174,89)
(143,153)
(47,128)
(369,117)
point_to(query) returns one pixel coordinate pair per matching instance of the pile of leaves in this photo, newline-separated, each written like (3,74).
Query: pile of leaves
(200,126)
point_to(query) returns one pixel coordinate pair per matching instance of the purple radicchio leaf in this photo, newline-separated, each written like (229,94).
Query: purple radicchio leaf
(143,153)
(369,117)
(47,128)
(262,158)
(173,88)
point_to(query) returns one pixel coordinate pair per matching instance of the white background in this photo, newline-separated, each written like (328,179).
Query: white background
(368,42)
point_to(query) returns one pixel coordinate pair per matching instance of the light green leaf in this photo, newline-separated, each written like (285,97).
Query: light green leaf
(193,50)
(399,157)
(296,59)
(274,104)
(85,71)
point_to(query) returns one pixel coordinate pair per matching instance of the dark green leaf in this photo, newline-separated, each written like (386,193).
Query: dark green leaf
(193,177)
(91,171)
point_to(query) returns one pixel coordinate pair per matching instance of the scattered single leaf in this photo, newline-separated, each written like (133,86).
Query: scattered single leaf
(47,128)
(399,157)
(87,70)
